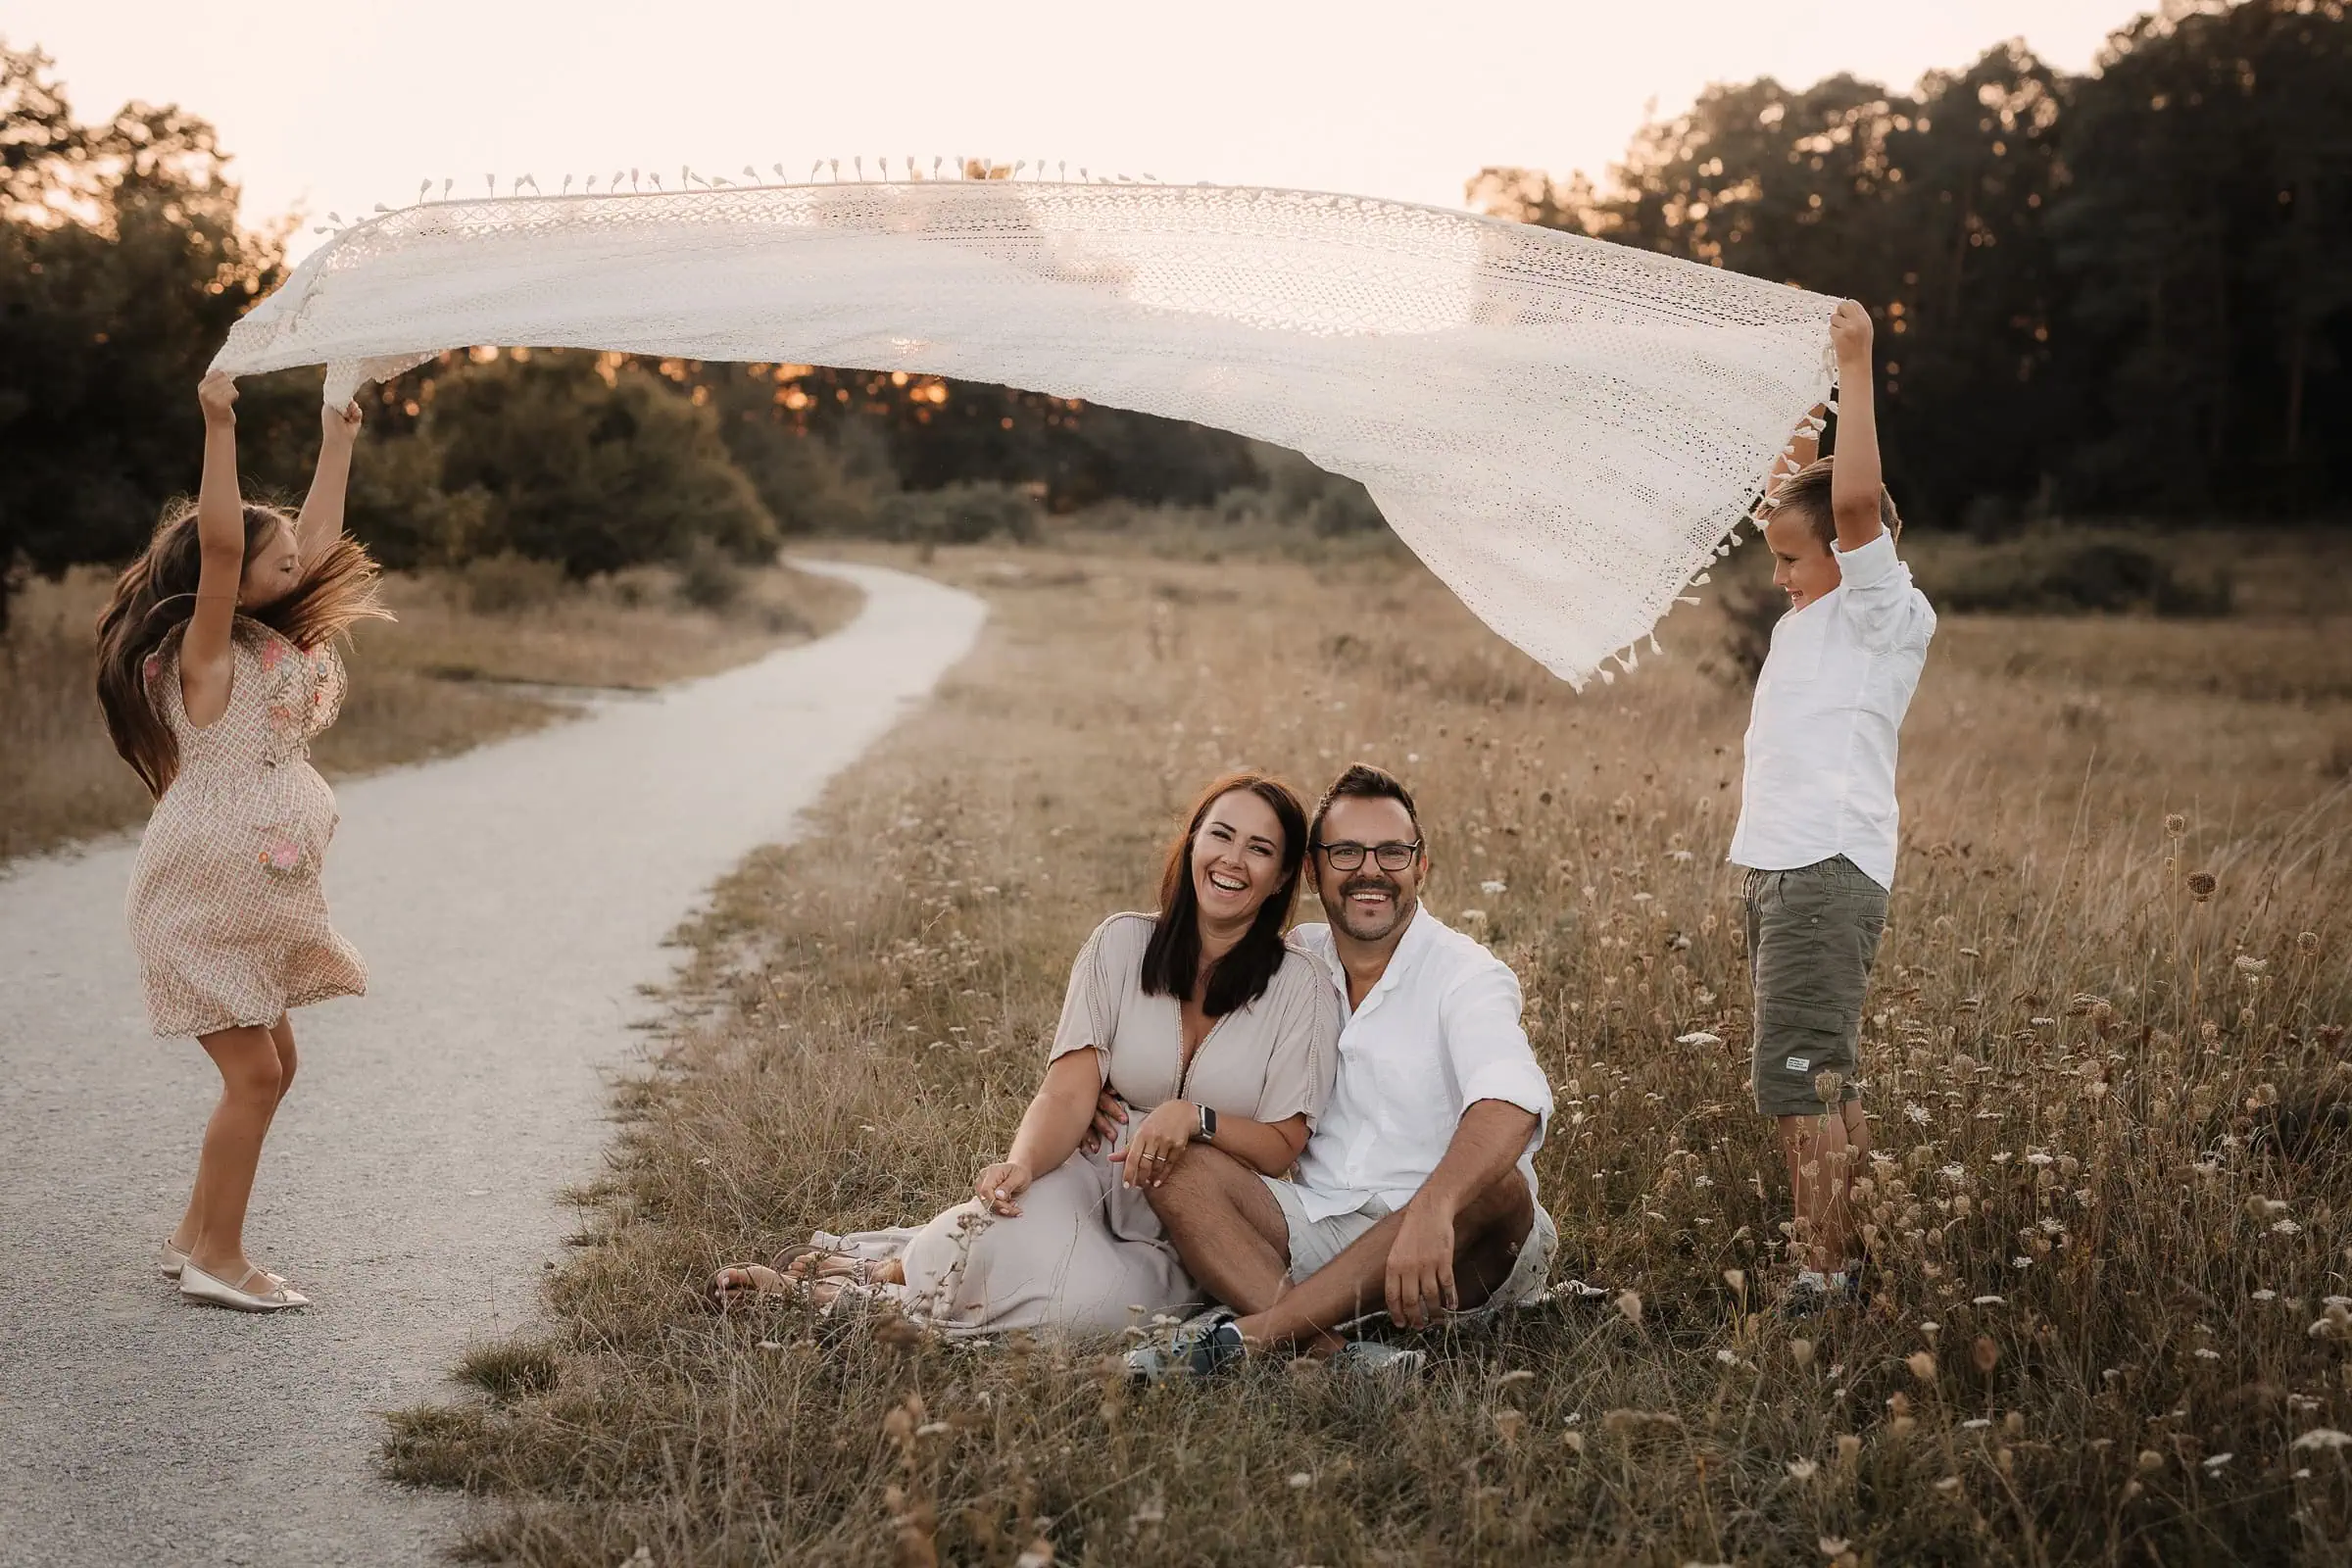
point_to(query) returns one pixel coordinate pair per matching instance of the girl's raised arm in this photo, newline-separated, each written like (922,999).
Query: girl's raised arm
(320,523)
(205,662)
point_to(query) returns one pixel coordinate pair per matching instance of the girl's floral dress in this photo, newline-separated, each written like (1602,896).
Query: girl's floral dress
(225,909)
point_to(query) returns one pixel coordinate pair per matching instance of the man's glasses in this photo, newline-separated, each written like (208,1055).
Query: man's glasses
(1390,857)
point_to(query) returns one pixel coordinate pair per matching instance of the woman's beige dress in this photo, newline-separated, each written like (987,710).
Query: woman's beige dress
(225,909)
(1086,1255)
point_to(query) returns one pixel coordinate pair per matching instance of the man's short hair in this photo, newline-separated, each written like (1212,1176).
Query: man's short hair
(1806,495)
(1362,782)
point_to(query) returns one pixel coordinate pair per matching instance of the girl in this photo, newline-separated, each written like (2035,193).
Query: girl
(214,668)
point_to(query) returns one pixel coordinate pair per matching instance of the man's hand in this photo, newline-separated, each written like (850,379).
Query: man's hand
(1420,1279)
(216,395)
(1111,1115)
(339,425)
(1159,1143)
(1849,335)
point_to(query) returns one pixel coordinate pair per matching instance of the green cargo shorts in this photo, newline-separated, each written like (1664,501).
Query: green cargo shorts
(1812,933)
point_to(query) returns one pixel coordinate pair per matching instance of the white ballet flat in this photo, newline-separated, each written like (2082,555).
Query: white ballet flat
(198,1286)
(170,1259)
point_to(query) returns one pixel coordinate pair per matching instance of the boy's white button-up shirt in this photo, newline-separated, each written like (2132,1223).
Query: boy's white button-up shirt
(1439,1032)
(1830,702)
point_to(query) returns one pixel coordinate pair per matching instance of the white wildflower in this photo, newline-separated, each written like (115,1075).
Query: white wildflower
(1698,1037)
(2322,1437)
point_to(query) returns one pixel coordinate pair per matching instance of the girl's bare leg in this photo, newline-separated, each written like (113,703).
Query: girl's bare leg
(253,1079)
(191,1222)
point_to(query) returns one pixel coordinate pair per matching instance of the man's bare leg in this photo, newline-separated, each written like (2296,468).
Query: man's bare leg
(1227,1228)
(1488,1235)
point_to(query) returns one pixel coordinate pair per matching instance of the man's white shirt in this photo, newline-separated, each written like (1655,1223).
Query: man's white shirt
(1829,703)
(1439,1032)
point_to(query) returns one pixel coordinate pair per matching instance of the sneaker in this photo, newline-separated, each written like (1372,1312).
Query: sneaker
(1377,1360)
(1200,1348)
(1815,1292)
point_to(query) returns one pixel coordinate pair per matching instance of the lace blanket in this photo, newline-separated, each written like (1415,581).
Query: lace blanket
(1565,430)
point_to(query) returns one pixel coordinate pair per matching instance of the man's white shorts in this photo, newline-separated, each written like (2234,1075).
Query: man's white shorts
(1316,1242)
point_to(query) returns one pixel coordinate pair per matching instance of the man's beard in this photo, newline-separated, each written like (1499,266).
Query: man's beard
(1369,925)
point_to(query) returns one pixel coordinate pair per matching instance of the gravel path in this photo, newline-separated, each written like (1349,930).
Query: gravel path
(509,903)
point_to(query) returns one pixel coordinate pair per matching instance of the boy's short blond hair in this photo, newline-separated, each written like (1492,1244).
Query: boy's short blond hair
(1806,495)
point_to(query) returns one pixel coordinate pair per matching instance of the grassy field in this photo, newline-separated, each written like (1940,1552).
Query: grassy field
(2112,1215)
(500,646)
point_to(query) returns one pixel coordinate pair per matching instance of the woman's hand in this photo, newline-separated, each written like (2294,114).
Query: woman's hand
(339,425)
(1159,1143)
(216,395)
(999,1185)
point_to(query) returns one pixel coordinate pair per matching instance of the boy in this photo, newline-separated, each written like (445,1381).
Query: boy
(1817,814)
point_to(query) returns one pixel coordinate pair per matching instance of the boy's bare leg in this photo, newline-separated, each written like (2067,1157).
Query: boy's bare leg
(1488,1235)
(1825,1153)
(1857,1152)
(1226,1227)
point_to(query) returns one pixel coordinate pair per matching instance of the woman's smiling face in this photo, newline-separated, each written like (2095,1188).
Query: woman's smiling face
(1236,858)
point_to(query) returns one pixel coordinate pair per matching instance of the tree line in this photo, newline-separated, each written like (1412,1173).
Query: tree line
(2124,293)
(2128,293)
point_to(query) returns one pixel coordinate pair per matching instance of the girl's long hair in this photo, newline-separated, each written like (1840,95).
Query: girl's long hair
(1172,958)
(155,596)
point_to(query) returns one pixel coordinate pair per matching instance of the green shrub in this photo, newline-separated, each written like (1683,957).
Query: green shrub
(960,513)
(501,584)
(709,578)
(2042,577)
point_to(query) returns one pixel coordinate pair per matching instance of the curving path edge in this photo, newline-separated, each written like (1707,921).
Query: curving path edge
(510,901)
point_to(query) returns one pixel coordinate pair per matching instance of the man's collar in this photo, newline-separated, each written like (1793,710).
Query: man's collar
(1419,932)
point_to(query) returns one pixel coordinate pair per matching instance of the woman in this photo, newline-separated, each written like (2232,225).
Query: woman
(1200,1016)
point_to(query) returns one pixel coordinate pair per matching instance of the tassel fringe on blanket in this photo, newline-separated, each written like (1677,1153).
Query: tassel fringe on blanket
(1565,430)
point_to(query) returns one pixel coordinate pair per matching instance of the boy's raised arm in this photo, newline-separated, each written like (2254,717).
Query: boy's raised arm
(1855,483)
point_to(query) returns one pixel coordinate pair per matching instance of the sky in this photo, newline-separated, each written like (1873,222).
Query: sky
(337,108)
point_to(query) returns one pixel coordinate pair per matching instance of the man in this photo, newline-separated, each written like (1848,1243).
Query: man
(1416,1193)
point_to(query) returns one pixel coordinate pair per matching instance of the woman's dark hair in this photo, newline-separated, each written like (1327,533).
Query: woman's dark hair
(155,596)
(1172,958)
(1363,782)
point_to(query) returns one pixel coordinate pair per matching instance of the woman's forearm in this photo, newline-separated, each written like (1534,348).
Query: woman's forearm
(1060,1114)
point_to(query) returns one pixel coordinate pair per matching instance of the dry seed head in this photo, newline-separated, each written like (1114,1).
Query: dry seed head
(1828,1086)
(2201,885)
(1801,1351)
(1921,1366)
(1629,1303)
(1985,1355)
(1849,1447)
(2306,943)
(2176,824)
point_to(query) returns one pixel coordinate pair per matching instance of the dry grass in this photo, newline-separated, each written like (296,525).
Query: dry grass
(2112,1219)
(502,647)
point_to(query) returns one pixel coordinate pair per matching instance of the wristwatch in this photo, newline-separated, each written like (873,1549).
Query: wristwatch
(1209,1124)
